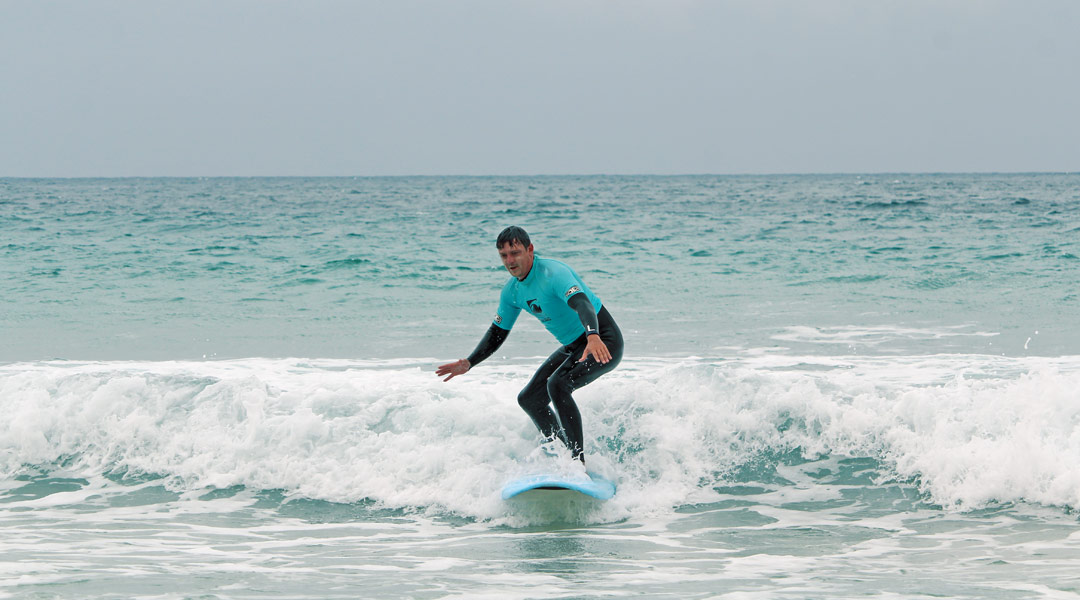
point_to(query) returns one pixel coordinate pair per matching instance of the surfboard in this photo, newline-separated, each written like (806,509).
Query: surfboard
(595,486)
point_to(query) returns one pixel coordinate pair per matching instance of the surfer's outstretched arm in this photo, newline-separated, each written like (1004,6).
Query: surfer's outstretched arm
(493,338)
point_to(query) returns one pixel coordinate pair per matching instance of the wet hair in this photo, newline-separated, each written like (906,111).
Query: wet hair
(513,234)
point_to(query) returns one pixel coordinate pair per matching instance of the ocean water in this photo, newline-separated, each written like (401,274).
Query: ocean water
(834,387)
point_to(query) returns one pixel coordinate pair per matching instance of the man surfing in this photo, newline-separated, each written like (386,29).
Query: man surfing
(591,341)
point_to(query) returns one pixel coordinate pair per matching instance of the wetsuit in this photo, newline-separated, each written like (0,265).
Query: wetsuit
(555,294)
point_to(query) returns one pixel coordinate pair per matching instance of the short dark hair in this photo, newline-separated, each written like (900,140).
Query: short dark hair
(513,234)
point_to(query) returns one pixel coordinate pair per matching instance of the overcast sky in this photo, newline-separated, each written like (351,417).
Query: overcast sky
(264,87)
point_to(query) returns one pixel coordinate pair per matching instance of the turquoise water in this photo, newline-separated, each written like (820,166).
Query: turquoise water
(834,387)
(392,268)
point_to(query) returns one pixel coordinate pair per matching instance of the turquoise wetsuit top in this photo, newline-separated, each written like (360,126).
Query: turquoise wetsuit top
(544,293)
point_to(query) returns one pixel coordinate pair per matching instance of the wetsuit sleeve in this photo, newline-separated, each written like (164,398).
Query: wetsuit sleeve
(491,341)
(586,312)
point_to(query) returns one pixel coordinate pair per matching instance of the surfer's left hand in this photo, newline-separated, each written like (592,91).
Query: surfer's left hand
(595,346)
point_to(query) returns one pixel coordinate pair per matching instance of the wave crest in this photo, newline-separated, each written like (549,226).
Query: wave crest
(966,430)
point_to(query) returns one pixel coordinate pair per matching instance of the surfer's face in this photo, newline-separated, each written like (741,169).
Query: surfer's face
(516,258)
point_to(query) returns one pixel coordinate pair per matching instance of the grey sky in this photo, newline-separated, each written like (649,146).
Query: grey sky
(261,87)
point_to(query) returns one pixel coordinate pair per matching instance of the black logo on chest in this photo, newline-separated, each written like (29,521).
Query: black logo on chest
(536,310)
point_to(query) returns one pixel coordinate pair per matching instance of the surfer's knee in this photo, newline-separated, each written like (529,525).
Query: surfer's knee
(616,349)
(529,400)
(559,387)
(524,400)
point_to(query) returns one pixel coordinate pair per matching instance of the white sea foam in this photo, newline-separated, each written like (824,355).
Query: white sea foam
(969,430)
(874,335)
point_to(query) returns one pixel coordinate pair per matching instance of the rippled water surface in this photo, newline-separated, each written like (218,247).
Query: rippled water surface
(396,267)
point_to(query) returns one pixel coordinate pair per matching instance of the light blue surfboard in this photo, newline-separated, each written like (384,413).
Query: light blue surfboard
(594,485)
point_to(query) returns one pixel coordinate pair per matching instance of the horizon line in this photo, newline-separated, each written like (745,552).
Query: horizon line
(551,175)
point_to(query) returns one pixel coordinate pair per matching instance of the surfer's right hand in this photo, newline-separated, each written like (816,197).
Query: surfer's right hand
(458,367)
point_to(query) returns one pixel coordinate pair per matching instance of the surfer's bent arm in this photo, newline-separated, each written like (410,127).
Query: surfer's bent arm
(493,338)
(594,345)
(586,312)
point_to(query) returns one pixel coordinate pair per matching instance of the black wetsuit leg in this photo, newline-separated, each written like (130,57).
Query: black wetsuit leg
(535,401)
(559,376)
